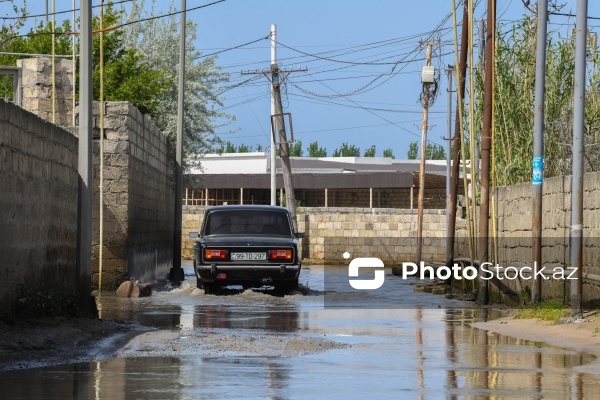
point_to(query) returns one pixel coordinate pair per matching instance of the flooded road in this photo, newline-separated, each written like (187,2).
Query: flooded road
(255,345)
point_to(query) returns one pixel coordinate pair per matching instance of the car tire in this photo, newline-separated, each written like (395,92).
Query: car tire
(209,288)
(287,287)
(199,283)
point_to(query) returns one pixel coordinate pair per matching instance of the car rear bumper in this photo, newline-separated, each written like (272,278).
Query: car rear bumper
(247,274)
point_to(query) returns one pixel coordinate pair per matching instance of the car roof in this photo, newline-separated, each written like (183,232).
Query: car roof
(252,207)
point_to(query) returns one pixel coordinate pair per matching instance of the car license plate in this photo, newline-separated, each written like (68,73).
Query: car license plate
(248,256)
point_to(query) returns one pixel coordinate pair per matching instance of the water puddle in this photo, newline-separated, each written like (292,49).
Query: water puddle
(257,345)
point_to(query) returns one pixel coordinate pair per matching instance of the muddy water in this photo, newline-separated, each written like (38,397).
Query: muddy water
(255,345)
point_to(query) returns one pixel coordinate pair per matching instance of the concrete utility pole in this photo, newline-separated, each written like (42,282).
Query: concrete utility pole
(486,147)
(461,86)
(538,145)
(176,273)
(578,155)
(424,128)
(84,165)
(273,153)
(277,119)
(284,149)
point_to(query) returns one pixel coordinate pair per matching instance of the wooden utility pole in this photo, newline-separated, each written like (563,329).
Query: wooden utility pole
(486,147)
(423,157)
(461,72)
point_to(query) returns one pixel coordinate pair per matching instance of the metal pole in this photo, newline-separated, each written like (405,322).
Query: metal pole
(176,273)
(448,150)
(421,194)
(486,147)
(578,149)
(101,185)
(84,164)
(53,65)
(74,65)
(538,145)
(273,154)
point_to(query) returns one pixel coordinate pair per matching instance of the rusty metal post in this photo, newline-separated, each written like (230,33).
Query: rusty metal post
(460,84)
(537,175)
(486,147)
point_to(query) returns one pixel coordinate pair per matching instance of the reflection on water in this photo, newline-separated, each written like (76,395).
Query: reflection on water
(403,353)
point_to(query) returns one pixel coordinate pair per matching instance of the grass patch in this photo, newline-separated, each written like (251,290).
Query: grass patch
(597,330)
(550,310)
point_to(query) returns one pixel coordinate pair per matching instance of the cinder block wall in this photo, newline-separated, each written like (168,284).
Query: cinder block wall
(138,199)
(389,234)
(514,221)
(38,206)
(37,88)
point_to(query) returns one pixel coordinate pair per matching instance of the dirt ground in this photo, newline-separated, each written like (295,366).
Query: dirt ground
(582,335)
(43,342)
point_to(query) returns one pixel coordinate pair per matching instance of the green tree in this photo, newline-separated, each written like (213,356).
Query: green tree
(315,151)
(296,149)
(347,151)
(435,152)
(259,148)
(413,151)
(158,40)
(242,148)
(370,152)
(388,153)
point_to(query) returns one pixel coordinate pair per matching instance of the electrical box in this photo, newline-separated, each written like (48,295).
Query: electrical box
(428,74)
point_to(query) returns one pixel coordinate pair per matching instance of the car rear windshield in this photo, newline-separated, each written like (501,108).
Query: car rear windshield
(247,222)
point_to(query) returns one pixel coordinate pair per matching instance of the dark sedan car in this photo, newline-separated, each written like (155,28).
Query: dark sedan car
(246,245)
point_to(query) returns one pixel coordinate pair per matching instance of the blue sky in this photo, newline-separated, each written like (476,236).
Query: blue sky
(356,44)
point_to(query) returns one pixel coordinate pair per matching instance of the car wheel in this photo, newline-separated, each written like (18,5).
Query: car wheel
(209,288)
(199,283)
(288,287)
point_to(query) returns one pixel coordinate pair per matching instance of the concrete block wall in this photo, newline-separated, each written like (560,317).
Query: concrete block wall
(514,221)
(389,234)
(38,206)
(138,199)
(37,88)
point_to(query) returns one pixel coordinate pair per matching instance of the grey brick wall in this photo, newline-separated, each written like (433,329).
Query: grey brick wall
(138,200)
(38,205)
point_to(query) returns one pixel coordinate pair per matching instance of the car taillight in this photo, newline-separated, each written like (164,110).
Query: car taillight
(210,254)
(281,254)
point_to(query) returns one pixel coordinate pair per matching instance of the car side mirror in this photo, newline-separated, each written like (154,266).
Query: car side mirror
(299,235)
(193,235)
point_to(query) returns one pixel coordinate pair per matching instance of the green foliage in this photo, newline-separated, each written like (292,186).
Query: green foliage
(413,151)
(435,152)
(242,148)
(549,310)
(158,40)
(315,151)
(388,153)
(514,100)
(296,149)
(370,152)
(259,148)
(347,151)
